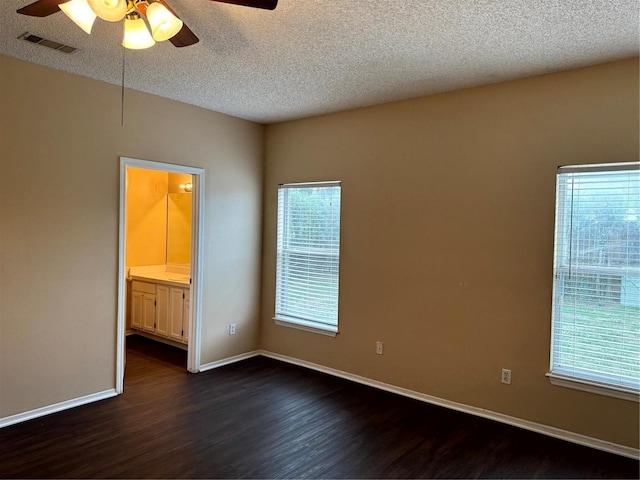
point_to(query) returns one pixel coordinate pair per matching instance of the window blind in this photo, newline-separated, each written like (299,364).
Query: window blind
(308,254)
(596,288)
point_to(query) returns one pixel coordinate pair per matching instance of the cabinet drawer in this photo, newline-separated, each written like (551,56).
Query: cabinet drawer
(143,287)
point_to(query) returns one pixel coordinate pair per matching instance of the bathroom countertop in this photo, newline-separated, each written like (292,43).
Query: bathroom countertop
(162,277)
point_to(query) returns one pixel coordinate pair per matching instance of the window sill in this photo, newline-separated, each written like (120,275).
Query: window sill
(593,387)
(306,325)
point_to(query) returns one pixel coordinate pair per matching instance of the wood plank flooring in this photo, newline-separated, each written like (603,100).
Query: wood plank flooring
(265,419)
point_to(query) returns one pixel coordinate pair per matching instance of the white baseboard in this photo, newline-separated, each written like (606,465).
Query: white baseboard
(94,397)
(56,407)
(228,360)
(480,412)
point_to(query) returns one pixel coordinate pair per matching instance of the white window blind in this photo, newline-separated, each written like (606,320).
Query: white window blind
(596,289)
(308,254)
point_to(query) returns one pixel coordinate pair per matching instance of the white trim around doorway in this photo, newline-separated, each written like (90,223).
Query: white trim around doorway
(197,235)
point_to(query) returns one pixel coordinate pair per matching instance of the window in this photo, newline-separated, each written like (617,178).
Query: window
(596,287)
(308,256)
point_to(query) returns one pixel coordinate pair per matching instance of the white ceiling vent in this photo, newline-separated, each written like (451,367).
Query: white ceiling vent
(29,37)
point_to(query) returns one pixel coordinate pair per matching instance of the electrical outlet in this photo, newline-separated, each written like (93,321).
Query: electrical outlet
(506,376)
(232,329)
(379,348)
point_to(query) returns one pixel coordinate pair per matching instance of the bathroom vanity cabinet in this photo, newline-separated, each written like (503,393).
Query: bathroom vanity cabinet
(160,308)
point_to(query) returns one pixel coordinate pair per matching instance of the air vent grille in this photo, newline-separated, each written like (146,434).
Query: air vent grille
(29,37)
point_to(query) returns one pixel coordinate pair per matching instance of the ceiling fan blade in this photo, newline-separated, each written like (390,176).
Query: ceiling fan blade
(41,8)
(266,4)
(185,36)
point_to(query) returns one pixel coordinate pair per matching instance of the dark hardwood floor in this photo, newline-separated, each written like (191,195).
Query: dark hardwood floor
(265,419)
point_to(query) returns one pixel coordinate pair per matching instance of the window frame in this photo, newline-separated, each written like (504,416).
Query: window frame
(592,385)
(282,318)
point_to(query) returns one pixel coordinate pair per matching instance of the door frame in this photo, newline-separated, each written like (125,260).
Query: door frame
(197,243)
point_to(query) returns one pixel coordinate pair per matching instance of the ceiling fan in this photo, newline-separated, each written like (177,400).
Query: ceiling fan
(163,21)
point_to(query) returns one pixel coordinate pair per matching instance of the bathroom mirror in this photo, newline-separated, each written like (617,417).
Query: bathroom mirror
(179,228)
(158,226)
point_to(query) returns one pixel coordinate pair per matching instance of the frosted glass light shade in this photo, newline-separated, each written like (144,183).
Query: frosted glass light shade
(80,12)
(136,35)
(109,10)
(163,23)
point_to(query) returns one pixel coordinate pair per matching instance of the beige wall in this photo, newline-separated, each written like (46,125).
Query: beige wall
(447,232)
(60,145)
(447,237)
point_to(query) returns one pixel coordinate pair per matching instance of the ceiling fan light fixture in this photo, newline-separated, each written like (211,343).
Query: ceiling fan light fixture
(163,23)
(136,34)
(80,12)
(109,10)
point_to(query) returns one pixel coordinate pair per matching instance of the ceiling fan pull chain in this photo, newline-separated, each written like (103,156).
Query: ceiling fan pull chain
(124,50)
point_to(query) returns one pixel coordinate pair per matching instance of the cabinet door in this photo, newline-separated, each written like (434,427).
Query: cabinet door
(136,310)
(162,310)
(185,317)
(175,313)
(149,312)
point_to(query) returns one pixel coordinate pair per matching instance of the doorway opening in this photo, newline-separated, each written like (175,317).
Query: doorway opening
(160,257)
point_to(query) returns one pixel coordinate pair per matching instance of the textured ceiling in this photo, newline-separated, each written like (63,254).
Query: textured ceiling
(310,57)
